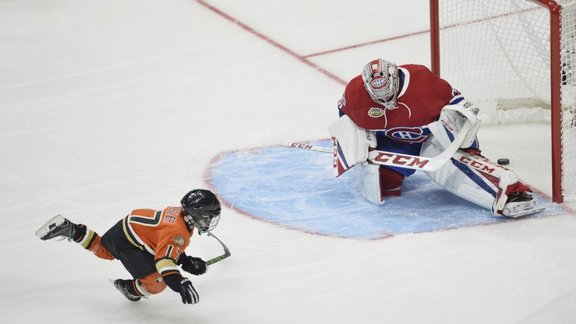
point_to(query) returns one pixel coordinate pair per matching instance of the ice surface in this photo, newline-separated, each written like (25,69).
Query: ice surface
(297,189)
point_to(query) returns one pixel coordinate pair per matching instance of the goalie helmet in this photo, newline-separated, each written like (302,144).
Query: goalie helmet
(382,82)
(201,210)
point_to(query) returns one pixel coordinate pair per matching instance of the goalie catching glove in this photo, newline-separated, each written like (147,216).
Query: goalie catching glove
(454,115)
(351,144)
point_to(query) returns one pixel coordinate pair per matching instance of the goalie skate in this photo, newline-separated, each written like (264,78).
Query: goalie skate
(520,204)
(57,227)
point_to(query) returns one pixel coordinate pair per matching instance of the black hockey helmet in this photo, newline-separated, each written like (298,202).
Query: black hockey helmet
(201,210)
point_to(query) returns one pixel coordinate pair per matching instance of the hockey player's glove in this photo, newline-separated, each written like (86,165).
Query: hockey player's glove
(195,266)
(187,292)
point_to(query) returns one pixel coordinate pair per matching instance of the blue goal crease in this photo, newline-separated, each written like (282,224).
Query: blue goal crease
(296,188)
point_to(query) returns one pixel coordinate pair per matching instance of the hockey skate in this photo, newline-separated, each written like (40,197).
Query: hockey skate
(57,227)
(520,204)
(127,289)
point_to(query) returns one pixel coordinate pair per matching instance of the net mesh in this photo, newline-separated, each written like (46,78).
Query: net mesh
(497,53)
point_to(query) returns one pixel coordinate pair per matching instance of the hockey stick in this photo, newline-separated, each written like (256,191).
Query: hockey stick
(220,257)
(408,161)
(309,147)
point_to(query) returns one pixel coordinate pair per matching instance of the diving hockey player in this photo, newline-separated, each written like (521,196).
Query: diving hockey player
(150,244)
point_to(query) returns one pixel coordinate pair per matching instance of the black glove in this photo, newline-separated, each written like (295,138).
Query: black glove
(188,293)
(195,266)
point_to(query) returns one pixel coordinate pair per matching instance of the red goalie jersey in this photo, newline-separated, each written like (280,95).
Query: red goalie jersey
(421,97)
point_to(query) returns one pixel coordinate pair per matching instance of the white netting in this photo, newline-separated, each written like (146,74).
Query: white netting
(497,53)
(568,98)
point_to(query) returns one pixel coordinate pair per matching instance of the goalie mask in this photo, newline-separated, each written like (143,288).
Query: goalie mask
(201,210)
(382,82)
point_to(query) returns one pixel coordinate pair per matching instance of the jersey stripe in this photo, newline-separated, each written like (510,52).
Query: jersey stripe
(166,265)
(146,221)
(130,235)
(169,250)
(133,237)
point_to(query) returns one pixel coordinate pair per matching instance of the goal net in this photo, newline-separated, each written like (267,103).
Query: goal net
(515,59)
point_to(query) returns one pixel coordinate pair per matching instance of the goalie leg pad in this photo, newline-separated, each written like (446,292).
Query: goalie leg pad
(378,182)
(512,198)
(370,184)
(472,177)
(463,182)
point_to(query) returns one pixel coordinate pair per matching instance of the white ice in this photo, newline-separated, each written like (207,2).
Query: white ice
(106,106)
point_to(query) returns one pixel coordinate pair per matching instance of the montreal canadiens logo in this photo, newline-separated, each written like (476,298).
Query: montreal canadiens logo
(378,83)
(408,134)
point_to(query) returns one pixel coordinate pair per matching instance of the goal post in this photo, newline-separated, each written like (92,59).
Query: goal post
(516,60)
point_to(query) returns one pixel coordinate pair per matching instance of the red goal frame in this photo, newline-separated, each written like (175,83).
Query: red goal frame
(555,82)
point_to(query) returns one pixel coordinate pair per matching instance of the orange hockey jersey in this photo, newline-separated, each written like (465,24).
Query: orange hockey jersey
(163,233)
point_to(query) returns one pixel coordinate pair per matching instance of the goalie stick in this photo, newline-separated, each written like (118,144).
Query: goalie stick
(220,257)
(408,161)
(309,147)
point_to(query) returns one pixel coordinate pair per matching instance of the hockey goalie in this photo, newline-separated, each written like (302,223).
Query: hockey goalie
(409,112)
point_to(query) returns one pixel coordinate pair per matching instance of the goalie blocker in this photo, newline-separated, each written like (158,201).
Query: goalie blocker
(351,144)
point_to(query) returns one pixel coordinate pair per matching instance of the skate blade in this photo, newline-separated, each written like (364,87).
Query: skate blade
(527,212)
(45,229)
